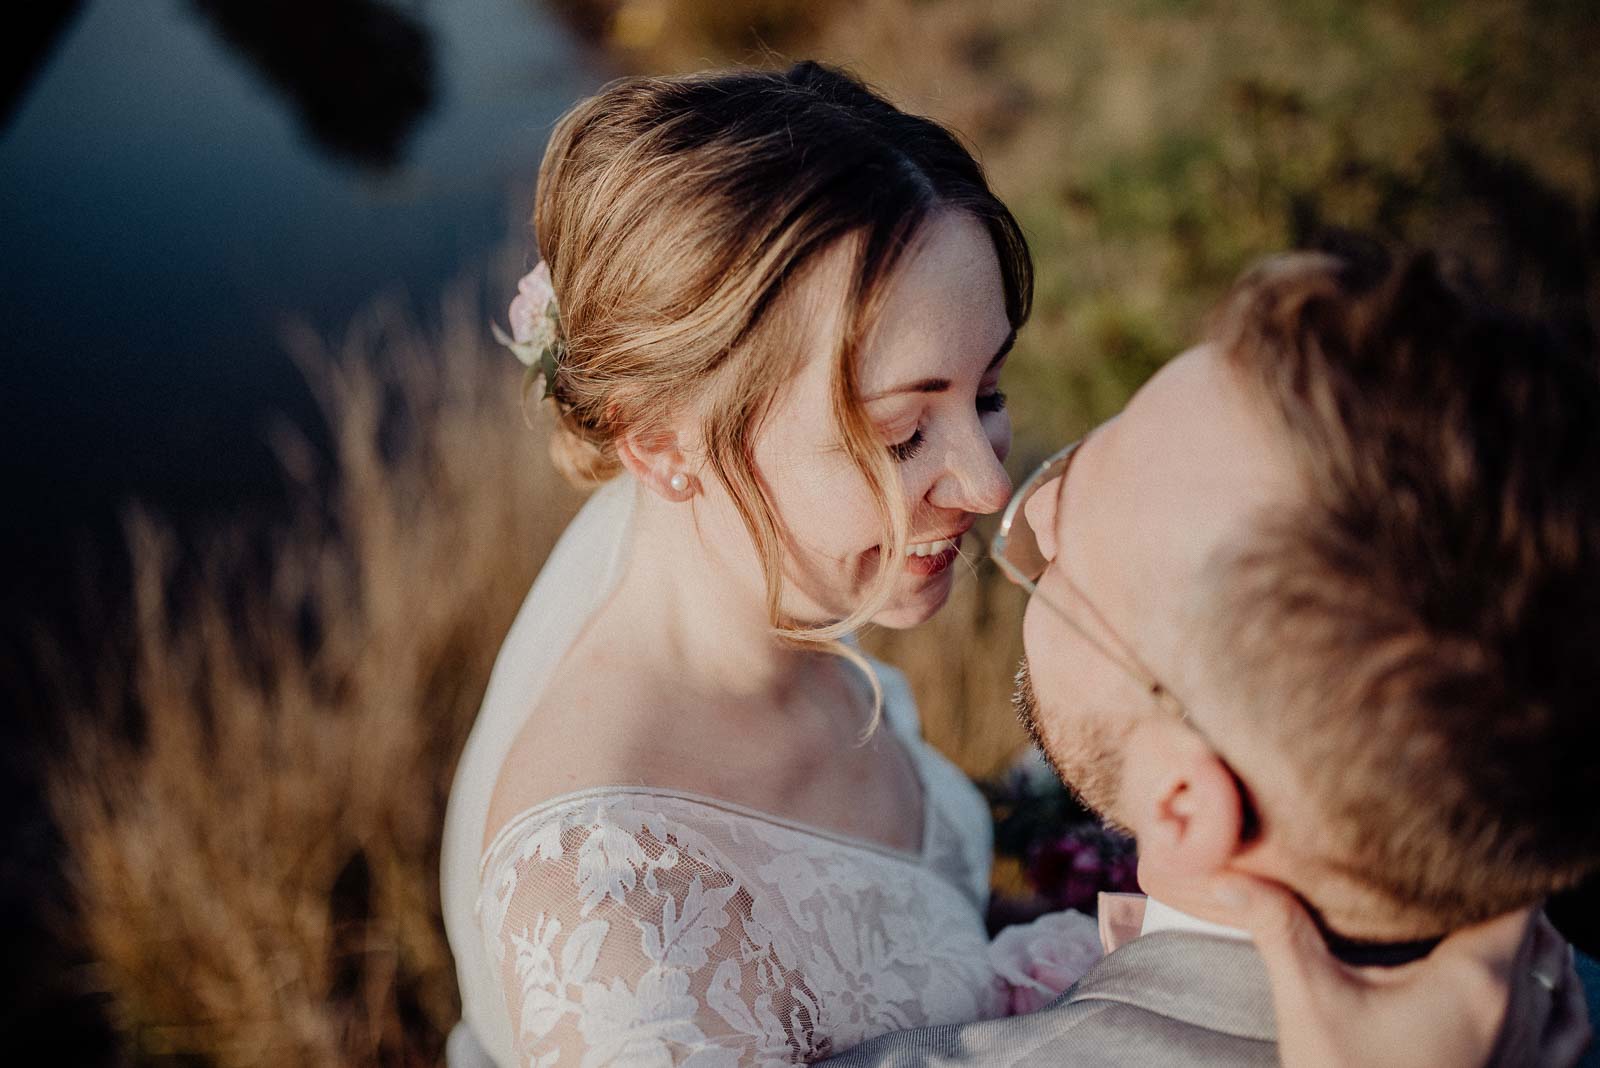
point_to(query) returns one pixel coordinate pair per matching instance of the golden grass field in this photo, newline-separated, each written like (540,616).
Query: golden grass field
(255,867)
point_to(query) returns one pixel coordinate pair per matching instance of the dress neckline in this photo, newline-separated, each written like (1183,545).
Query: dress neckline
(913,750)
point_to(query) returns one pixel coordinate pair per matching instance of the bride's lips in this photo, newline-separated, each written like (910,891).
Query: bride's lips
(933,556)
(936,562)
(925,557)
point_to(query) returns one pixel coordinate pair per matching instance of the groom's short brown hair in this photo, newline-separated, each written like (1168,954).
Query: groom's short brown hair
(1422,634)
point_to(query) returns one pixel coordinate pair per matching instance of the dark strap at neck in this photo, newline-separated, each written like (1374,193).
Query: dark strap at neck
(1362,953)
(1380,954)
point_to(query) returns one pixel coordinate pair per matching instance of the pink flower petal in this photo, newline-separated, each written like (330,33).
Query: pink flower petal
(534,297)
(1041,959)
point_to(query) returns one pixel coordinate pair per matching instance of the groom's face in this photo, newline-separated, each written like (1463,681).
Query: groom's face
(1147,503)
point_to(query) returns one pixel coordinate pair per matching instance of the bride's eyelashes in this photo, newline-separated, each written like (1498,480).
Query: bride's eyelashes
(908,449)
(903,451)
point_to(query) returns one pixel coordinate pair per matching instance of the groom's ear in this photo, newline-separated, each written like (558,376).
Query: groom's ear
(655,457)
(1182,804)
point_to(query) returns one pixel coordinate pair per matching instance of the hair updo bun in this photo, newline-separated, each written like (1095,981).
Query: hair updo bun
(672,212)
(582,461)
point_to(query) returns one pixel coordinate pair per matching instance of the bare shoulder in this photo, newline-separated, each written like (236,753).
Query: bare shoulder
(591,728)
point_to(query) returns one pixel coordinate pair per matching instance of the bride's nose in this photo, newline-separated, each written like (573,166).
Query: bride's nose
(975,478)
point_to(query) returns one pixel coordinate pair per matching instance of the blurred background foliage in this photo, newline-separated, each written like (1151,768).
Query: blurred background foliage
(253,804)
(1154,148)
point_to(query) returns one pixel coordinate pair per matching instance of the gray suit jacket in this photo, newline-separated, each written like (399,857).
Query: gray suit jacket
(1172,997)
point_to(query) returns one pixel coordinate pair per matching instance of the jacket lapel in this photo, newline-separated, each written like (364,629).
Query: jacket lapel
(1216,983)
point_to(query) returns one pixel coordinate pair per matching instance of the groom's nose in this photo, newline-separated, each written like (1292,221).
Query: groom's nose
(1040,512)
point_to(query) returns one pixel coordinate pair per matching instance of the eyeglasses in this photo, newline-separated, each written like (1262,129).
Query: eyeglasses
(1016,549)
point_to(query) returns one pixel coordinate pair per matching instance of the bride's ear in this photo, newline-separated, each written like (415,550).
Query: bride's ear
(658,460)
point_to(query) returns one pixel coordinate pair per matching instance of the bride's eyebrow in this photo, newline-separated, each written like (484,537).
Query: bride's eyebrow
(939,385)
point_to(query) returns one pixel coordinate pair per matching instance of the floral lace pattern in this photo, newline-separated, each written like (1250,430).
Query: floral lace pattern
(646,927)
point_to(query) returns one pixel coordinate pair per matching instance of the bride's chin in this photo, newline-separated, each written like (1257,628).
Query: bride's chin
(919,597)
(914,608)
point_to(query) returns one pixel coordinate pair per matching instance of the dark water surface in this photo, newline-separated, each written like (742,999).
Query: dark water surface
(176,177)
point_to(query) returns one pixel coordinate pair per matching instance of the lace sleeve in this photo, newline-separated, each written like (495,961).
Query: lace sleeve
(623,937)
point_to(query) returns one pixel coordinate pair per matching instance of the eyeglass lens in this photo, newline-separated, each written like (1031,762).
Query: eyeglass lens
(1021,548)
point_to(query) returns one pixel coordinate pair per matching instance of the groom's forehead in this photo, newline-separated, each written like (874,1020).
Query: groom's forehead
(1179,473)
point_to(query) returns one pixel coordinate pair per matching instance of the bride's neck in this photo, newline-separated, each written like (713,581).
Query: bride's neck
(702,611)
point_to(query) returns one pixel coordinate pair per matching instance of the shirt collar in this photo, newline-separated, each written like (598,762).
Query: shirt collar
(1162,917)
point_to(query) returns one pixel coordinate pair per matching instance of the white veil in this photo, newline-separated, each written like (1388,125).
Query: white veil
(575,581)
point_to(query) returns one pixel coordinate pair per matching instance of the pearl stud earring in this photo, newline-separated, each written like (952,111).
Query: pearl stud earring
(680,482)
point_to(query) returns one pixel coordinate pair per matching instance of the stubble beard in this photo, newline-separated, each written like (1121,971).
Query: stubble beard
(1088,761)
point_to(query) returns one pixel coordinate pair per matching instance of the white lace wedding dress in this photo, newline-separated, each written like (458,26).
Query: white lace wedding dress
(627,925)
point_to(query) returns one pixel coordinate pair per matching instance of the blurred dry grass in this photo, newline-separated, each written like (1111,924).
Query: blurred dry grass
(255,864)
(961,664)
(256,867)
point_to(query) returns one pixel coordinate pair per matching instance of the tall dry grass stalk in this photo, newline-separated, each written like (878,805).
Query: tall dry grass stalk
(257,872)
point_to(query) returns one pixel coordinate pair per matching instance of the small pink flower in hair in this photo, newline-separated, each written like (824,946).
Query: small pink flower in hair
(534,295)
(535,327)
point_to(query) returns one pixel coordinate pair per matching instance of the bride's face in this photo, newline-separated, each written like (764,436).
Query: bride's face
(930,379)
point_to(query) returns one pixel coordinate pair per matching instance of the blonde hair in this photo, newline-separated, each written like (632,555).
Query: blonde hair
(673,212)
